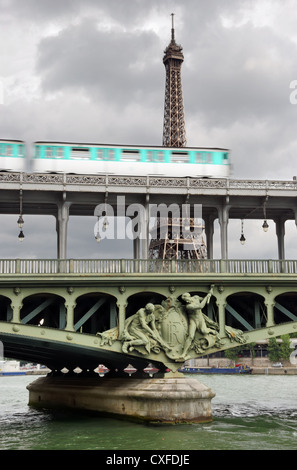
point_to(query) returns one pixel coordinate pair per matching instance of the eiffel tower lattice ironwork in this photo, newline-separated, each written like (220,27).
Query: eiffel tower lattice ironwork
(168,239)
(174,132)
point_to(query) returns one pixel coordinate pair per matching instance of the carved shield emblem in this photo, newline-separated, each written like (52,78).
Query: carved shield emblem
(173,329)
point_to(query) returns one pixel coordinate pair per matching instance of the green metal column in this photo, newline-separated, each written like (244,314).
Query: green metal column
(270,317)
(16,305)
(122,304)
(222,318)
(70,306)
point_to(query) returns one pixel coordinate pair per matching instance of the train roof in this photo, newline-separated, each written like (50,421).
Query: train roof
(12,140)
(46,142)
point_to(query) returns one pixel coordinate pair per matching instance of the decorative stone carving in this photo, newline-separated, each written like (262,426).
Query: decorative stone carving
(140,331)
(174,327)
(108,337)
(111,180)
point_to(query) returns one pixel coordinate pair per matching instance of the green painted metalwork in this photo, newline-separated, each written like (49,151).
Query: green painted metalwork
(88,314)
(239,317)
(37,310)
(284,310)
(85,312)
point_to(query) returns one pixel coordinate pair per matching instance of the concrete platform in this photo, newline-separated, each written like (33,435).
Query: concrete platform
(162,400)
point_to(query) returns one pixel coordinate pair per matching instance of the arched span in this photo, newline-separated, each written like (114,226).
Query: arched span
(285,307)
(95,312)
(44,309)
(5,309)
(245,311)
(139,300)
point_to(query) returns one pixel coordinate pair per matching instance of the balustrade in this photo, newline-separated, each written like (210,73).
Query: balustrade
(145,266)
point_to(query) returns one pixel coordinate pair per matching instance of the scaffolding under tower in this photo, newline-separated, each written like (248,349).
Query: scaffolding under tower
(178,238)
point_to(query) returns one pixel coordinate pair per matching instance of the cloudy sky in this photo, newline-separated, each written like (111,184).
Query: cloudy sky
(91,70)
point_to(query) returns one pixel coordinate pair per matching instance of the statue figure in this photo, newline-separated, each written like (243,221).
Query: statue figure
(140,330)
(194,306)
(176,327)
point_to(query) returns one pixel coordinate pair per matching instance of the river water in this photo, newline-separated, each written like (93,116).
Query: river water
(253,412)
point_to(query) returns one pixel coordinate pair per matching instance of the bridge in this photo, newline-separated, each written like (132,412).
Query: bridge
(74,313)
(66,195)
(69,313)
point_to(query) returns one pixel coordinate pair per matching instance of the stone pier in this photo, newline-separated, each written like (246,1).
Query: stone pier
(173,399)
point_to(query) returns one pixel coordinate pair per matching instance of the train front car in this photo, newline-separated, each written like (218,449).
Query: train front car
(12,155)
(130,160)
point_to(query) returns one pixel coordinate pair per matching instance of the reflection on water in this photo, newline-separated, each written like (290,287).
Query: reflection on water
(249,412)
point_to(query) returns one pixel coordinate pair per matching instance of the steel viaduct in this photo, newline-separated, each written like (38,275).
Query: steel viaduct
(77,312)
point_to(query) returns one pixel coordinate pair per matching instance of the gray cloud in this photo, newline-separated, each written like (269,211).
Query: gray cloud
(92,71)
(106,65)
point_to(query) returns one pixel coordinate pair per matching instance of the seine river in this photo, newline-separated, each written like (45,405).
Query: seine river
(255,412)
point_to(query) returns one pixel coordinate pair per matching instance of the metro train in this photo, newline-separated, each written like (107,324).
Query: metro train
(77,158)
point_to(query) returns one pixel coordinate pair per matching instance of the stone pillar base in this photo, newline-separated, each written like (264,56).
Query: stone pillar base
(162,400)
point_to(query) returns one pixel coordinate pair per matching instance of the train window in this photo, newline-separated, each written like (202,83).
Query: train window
(48,152)
(180,157)
(130,156)
(160,156)
(149,156)
(80,153)
(225,158)
(209,157)
(198,157)
(100,154)
(21,151)
(111,154)
(60,152)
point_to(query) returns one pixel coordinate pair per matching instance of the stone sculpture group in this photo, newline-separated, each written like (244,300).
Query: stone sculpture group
(175,327)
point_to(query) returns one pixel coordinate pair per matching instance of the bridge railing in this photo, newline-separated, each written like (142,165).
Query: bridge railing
(131,266)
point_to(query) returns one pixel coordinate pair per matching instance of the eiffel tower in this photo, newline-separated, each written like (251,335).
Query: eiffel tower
(174,132)
(171,241)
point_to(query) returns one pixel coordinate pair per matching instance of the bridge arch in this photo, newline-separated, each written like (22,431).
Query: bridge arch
(44,309)
(5,308)
(95,312)
(285,307)
(140,299)
(245,311)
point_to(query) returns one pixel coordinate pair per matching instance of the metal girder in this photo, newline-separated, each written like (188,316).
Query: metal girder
(239,317)
(89,313)
(37,310)
(285,311)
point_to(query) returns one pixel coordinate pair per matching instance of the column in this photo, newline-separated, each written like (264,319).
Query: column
(145,229)
(136,248)
(70,305)
(223,213)
(16,305)
(222,317)
(122,304)
(61,227)
(209,231)
(270,312)
(280,233)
